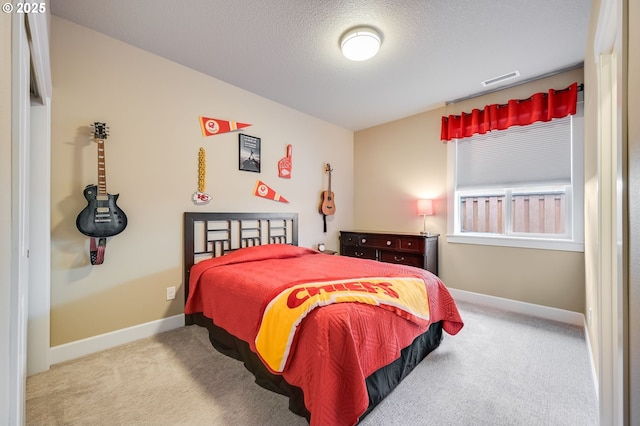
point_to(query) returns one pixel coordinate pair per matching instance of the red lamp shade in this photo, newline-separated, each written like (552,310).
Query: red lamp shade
(425,207)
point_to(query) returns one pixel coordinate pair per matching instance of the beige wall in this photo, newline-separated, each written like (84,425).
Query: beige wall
(152,106)
(398,162)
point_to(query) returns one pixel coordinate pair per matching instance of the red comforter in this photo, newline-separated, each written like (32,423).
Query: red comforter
(337,346)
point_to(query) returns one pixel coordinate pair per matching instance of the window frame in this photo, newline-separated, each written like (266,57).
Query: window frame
(572,240)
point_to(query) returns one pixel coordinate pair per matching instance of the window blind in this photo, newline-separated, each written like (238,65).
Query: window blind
(537,154)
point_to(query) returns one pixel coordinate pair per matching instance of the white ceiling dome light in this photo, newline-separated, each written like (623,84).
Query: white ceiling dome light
(360,44)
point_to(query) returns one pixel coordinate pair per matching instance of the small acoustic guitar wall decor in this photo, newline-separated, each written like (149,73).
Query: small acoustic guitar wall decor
(328,206)
(102,217)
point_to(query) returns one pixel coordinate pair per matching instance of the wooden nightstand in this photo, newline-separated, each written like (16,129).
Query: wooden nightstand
(404,248)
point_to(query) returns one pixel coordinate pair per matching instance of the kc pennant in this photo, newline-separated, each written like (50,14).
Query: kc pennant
(214,126)
(263,190)
(406,296)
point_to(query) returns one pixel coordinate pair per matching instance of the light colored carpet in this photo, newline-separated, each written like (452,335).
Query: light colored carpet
(501,369)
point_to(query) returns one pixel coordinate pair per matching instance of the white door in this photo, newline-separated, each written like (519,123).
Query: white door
(20,220)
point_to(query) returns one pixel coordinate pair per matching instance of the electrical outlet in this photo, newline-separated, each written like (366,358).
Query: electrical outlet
(171,293)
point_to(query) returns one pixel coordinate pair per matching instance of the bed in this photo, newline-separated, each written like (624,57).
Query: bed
(335,361)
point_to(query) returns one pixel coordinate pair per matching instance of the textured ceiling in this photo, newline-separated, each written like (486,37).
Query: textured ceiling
(287,50)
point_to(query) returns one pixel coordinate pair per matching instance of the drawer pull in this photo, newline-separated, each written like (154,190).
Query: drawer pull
(409,244)
(359,254)
(364,240)
(388,242)
(398,258)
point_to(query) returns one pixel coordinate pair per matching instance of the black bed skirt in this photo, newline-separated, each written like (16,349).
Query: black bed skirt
(379,384)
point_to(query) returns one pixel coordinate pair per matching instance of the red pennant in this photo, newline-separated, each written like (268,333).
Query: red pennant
(263,190)
(214,126)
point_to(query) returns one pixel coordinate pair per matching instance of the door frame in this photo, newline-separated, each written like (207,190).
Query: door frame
(29,287)
(612,223)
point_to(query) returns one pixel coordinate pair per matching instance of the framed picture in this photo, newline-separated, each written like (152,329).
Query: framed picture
(249,153)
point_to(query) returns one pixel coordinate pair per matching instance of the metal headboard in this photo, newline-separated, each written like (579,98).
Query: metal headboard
(208,235)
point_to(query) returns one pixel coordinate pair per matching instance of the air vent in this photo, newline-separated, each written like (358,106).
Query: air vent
(501,78)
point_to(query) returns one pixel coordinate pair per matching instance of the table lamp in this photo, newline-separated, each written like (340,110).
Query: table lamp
(425,208)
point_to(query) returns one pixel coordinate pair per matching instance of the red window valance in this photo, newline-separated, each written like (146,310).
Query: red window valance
(539,107)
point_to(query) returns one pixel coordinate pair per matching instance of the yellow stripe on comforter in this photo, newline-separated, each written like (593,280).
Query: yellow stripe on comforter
(403,295)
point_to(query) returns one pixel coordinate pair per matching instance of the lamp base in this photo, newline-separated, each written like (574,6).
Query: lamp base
(424,226)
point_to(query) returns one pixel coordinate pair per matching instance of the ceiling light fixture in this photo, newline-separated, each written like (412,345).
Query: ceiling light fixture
(360,44)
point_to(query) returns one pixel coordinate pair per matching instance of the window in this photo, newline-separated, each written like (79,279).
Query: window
(521,187)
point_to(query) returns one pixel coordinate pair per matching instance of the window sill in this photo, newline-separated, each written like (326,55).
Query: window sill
(534,243)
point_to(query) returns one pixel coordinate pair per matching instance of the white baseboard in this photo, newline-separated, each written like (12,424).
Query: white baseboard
(555,314)
(90,345)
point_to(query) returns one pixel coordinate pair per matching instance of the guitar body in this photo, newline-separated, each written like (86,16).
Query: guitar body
(102,217)
(328,206)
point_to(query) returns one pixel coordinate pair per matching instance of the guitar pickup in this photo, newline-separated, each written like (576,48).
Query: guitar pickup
(102,217)
(102,210)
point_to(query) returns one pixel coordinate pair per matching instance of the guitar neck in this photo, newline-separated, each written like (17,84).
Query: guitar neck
(102,172)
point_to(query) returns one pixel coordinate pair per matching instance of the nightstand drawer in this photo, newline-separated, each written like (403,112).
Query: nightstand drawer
(412,244)
(378,241)
(361,252)
(402,258)
(349,239)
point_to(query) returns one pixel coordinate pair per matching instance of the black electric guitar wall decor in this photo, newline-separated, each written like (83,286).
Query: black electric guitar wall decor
(328,206)
(102,217)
